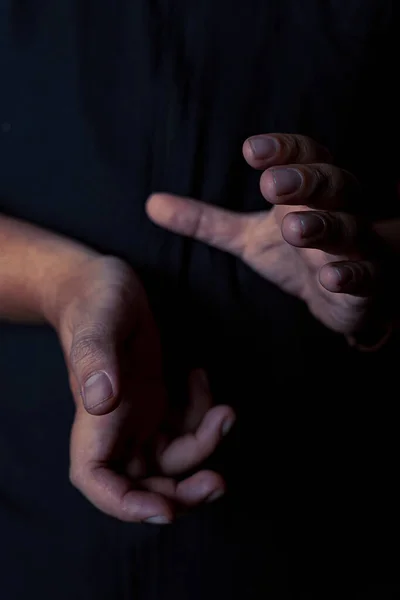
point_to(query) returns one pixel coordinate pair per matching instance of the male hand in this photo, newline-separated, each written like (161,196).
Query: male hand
(124,458)
(311,244)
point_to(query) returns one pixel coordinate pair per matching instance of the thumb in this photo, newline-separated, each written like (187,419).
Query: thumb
(93,360)
(223,229)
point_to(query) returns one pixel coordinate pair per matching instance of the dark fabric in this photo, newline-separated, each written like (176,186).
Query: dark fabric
(102,103)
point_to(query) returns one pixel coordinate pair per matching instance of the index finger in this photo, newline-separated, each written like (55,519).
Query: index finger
(217,227)
(266,150)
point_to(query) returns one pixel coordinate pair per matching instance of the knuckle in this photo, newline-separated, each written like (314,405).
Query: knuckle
(349,227)
(303,148)
(195,223)
(337,180)
(339,226)
(291,148)
(201,224)
(359,272)
(300,148)
(344,185)
(308,150)
(336,187)
(86,348)
(323,179)
(365,273)
(323,182)
(306,147)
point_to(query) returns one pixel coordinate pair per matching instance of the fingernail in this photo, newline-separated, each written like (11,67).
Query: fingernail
(97,389)
(215,496)
(345,275)
(311,225)
(287,181)
(158,521)
(263,147)
(227,426)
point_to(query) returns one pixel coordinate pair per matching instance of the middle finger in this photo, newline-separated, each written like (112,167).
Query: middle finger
(318,185)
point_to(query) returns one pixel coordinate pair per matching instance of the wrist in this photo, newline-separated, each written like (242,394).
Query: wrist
(33,264)
(59,281)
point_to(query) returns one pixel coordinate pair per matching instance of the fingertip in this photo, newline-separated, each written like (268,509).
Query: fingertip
(189,450)
(142,506)
(165,210)
(220,419)
(292,230)
(175,213)
(100,393)
(104,408)
(156,205)
(227,425)
(115,495)
(268,187)
(260,150)
(247,152)
(158,520)
(226,416)
(204,486)
(355,279)
(331,279)
(217,495)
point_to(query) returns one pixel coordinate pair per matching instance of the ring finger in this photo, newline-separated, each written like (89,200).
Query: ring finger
(332,232)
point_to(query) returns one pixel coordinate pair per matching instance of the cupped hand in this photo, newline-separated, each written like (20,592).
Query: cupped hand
(126,458)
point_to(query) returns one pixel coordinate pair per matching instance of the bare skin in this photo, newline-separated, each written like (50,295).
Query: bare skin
(310,244)
(121,458)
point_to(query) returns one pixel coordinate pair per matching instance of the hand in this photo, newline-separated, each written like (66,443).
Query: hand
(310,244)
(121,459)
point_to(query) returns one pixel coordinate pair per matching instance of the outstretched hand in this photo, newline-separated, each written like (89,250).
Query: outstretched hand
(311,244)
